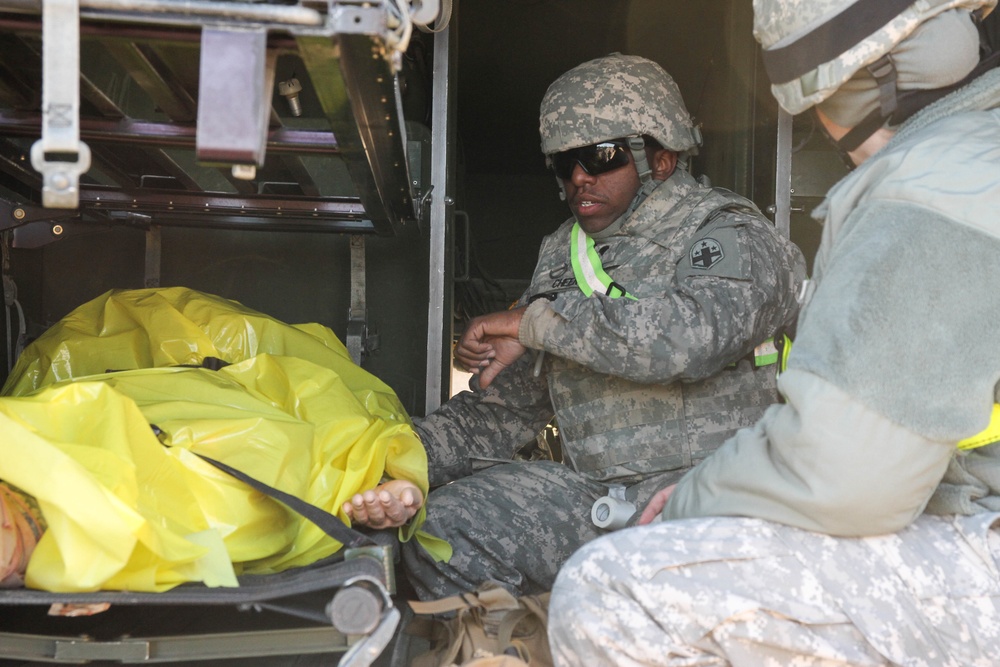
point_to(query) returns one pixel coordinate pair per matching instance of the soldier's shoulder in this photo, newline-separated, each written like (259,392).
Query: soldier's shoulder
(725,208)
(735,215)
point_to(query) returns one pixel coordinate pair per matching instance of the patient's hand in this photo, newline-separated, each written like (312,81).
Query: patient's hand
(389,505)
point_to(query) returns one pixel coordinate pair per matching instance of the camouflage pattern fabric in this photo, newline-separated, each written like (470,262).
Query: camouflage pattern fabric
(641,96)
(512,524)
(712,283)
(732,591)
(872,417)
(642,389)
(863,445)
(477,429)
(779,22)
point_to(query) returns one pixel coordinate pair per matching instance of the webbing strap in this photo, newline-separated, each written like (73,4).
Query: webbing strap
(325,521)
(444,605)
(909,103)
(836,36)
(357,315)
(59,155)
(884,72)
(767,353)
(588,270)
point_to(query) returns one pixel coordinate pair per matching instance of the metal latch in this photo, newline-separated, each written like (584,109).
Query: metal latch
(59,155)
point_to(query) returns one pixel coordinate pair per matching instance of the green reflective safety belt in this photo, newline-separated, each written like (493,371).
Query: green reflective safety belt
(765,354)
(588,270)
(986,437)
(768,353)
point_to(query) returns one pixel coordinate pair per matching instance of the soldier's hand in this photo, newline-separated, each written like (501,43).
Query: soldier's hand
(655,505)
(507,351)
(488,339)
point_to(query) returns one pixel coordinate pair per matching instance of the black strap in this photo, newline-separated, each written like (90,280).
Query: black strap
(883,71)
(211,363)
(836,36)
(868,126)
(910,102)
(328,523)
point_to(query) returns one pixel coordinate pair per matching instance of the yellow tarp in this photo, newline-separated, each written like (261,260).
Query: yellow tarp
(129,509)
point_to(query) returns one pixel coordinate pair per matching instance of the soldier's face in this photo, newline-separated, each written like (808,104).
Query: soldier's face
(597,201)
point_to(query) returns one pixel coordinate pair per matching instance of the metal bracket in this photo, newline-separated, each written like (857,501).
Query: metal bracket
(234,98)
(15,215)
(425,201)
(358,20)
(34,226)
(365,652)
(59,155)
(360,342)
(381,553)
(154,248)
(41,233)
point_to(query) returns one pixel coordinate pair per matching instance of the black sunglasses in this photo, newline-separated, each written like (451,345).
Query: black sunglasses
(595,158)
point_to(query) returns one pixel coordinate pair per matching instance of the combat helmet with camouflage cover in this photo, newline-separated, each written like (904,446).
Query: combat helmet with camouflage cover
(812,47)
(614,97)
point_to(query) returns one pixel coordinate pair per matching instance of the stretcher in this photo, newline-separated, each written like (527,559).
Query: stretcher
(227,110)
(290,605)
(340,610)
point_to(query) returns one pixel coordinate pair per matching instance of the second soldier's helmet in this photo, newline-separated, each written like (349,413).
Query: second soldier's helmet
(812,47)
(613,97)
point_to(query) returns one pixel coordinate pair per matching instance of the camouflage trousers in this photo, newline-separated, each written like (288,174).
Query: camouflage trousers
(513,524)
(734,591)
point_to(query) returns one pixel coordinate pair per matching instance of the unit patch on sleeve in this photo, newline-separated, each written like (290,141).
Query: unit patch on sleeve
(717,251)
(706,253)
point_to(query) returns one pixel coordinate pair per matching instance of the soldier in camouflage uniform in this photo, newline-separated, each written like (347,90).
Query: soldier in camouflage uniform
(856,524)
(644,381)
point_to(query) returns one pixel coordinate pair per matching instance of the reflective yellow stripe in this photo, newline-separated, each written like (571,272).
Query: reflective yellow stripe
(785,349)
(587,269)
(767,353)
(987,437)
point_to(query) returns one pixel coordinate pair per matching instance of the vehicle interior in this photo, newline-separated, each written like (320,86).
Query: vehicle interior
(370,166)
(160,204)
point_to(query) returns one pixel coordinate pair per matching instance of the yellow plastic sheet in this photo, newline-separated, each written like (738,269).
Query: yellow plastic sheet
(127,509)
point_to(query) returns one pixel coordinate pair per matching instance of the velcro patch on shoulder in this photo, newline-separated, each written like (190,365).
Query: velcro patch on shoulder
(715,252)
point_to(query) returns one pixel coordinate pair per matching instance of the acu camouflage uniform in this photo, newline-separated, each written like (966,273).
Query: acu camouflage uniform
(874,540)
(642,389)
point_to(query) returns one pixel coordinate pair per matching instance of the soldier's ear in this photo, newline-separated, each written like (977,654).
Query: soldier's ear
(663,163)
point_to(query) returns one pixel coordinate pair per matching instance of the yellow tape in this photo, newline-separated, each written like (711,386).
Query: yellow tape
(986,437)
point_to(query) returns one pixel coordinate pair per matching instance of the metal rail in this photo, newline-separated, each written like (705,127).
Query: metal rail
(181,12)
(344,45)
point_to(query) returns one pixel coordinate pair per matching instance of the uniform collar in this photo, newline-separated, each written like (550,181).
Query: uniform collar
(645,214)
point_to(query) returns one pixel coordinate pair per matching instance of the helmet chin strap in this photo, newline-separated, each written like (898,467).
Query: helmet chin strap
(884,72)
(898,106)
(640,196)
(638,148)
(647,184)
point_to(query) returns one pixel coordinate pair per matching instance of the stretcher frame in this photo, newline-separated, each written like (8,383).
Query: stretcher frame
(345,598)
